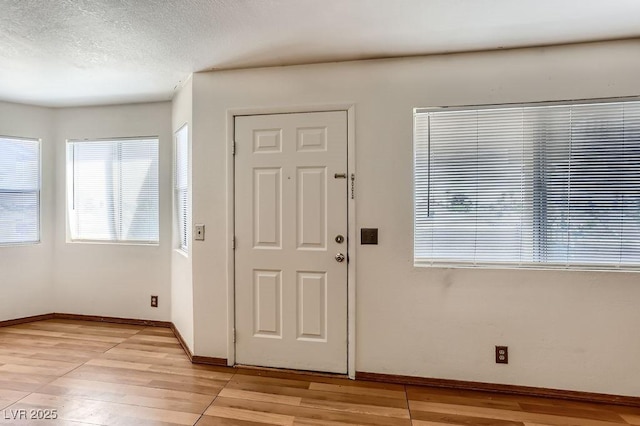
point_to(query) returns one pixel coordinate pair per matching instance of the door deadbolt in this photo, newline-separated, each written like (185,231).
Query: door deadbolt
(339,239)
(340,257)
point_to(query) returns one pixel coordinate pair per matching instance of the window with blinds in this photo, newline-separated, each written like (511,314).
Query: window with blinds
(113,190)
(181,186)
(19,190)
(553,185)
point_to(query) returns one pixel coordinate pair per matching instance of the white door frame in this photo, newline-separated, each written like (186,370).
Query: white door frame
(351,207)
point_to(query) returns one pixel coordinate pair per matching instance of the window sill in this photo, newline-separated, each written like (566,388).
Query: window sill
(525,266)
(182,253)
(21,244)
(115,243)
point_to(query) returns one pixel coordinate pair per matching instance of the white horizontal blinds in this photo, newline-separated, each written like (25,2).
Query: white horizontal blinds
(502,218)
(604,191)
(547,134)
(181,180)
(471,187)
(139,190)
(114,190)
(95,185)
(553,185)
(422,235)
(630,186)
(19,190)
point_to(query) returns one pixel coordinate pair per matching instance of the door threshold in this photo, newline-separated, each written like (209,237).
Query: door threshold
(254,370)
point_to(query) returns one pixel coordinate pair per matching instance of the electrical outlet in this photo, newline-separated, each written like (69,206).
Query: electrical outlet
(502,355)
(154,301)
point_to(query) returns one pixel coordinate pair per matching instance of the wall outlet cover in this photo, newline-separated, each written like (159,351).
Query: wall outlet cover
(502,355)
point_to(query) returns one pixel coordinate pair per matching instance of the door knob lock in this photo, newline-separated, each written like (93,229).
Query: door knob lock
(340,257)
(339,239)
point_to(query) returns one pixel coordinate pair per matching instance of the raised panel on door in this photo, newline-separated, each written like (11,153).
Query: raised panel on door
(267,302)
(267,218)
(311,208)
(290,292)
(312,305)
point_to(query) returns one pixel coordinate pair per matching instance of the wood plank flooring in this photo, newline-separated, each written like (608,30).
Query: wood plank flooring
(92,373)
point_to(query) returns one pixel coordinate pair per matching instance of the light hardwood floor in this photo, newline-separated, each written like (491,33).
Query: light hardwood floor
(99,373)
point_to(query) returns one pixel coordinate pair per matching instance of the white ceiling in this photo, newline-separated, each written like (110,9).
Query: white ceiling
(88,52)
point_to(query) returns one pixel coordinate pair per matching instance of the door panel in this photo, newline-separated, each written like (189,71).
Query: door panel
(311,206)
(267,217)
(312,306)
(267,312)
(291,293)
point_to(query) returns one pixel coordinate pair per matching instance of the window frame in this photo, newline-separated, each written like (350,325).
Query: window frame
(38,240)
(430,263)
(69,186)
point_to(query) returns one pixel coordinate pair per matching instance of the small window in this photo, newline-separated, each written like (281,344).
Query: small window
(113,190)
(181,186)
(19,190)
(540,185)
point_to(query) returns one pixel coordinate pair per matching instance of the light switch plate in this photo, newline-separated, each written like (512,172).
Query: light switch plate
(199,234)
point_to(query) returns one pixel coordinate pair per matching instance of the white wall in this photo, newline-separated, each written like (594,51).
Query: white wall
(91,279)
(181,277)
(566,330)
(25,270)
(112,279)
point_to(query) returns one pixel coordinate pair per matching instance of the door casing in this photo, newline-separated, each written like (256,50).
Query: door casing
(351,221)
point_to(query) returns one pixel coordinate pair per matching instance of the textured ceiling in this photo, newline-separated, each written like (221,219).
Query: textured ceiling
(87,52)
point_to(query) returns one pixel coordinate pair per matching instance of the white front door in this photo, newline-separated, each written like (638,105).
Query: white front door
(290,215)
